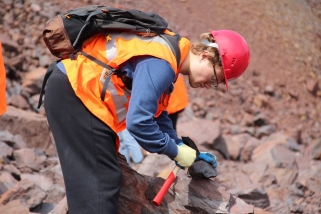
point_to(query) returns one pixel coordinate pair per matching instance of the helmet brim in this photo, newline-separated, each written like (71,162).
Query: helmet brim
(224,72)
(221,56)
(225,78)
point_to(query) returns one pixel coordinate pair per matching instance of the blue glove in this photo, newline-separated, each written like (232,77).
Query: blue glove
(207,157)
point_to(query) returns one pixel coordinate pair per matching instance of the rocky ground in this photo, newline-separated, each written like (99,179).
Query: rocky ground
(265,130)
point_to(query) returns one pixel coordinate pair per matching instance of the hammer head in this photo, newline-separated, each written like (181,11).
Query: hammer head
(190,143)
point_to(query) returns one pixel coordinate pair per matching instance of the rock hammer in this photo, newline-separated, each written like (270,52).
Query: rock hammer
(170,179)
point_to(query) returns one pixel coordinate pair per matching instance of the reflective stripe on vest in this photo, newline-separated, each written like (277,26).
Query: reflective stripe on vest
(111,50)
(120,102)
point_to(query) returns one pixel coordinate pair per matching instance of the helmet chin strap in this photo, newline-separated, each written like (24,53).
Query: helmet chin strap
(207,43)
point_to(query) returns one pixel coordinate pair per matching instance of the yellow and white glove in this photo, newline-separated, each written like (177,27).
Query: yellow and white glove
(185,156)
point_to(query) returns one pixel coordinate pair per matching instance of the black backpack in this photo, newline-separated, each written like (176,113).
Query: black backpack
(65,33)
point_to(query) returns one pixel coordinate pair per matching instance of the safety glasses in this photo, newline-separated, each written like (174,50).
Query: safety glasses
(214,79)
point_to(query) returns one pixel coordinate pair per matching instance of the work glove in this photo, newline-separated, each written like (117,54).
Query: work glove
(185,156)
(207,157)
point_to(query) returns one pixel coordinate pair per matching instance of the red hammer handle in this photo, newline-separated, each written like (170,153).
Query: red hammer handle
(167,184)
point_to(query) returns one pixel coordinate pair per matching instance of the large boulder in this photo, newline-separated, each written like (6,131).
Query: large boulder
(185,196)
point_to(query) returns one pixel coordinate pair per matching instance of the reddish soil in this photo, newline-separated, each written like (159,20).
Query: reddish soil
(284,38)
(285,43)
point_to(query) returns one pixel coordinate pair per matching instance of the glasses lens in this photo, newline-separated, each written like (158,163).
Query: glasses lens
(213,87)
(215,81)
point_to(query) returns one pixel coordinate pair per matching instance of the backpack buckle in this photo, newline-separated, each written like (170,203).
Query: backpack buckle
(147,32)
(72,56)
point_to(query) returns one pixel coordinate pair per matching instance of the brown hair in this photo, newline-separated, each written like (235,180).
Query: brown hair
(200,47)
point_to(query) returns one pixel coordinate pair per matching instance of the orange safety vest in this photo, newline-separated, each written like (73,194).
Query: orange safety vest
(3,103)
(179,97)
(114,49)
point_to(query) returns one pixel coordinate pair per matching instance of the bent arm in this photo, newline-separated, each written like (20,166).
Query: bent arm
(152,76)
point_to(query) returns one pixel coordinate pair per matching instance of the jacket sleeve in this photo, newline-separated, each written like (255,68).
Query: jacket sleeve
(151,77)
(166,126)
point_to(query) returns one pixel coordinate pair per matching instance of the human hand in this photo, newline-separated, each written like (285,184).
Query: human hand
(207,157)
(185,156)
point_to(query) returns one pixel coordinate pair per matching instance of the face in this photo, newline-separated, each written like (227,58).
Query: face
(202,73)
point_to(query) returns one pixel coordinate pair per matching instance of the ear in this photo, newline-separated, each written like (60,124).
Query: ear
(204,55)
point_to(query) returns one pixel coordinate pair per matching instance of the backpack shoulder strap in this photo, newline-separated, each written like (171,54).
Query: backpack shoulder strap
(87,22)
(110,71)
(48,73)
(173,42)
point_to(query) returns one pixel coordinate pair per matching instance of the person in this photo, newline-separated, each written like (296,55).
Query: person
(130,148)
(85,127)
(178,100)
(3,103)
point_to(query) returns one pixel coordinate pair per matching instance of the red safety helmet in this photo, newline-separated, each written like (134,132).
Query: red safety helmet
(234,52)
